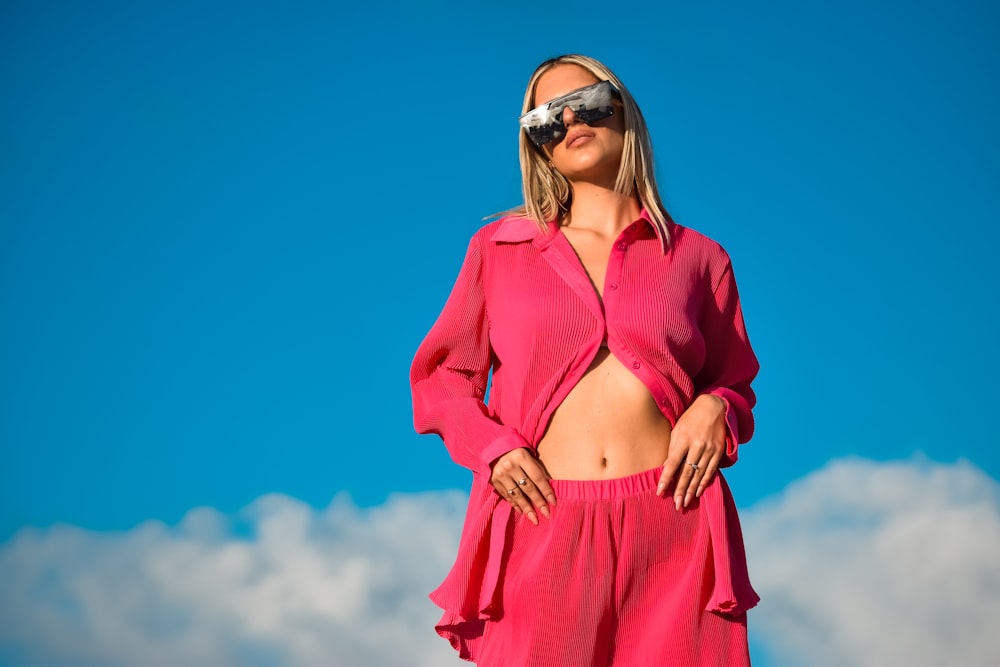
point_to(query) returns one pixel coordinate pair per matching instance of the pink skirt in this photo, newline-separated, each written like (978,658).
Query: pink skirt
(616,577)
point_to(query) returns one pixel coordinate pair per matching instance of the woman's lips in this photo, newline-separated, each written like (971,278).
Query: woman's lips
(579,138)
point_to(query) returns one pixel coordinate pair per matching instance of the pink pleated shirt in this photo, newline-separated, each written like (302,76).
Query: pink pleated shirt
(524,309)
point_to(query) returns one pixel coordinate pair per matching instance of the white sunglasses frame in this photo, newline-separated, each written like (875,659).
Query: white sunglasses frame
(590,104)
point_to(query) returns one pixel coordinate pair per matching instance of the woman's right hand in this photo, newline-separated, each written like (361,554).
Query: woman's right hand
(523,481)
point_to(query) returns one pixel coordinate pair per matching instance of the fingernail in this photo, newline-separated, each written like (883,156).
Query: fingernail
(661,488)
(687,499)
(677,503)
(545,512)
(532,518)
(551,499)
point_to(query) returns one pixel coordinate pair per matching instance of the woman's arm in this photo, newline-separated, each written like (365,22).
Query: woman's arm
(450,371)
(730,363)
(706,436)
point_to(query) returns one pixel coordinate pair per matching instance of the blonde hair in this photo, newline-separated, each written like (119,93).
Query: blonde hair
(547,193)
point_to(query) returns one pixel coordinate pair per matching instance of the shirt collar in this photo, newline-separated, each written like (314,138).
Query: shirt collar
(518,229)
(515,229)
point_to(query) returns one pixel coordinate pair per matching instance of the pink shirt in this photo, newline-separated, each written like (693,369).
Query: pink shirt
(524,308)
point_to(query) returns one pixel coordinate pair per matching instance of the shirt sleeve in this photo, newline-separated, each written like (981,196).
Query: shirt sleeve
(450,371)
(730,363)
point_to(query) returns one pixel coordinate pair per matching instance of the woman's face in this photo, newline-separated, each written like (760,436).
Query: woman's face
(589,153)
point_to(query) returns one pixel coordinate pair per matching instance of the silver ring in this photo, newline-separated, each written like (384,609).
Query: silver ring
(522,481)
(693,465)
(512,492)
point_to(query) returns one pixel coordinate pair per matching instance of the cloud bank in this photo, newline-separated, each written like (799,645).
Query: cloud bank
(879,564)
(859,563)
(340,586)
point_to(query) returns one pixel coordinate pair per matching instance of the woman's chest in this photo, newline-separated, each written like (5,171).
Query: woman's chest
(547,300)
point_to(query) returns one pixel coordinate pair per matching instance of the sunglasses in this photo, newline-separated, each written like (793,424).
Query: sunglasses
(590,104)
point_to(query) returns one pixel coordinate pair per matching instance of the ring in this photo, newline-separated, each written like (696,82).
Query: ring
(693,465)
(512,492)
(522,481)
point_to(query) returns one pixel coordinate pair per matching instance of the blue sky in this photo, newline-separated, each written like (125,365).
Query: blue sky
(225,229)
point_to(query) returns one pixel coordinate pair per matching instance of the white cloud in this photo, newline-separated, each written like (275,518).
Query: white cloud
(860,563)
(879,564)
(341,586)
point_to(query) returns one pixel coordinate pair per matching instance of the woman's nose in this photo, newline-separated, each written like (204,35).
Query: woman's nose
(568,117)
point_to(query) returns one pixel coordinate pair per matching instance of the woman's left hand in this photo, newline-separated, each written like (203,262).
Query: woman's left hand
(697,444)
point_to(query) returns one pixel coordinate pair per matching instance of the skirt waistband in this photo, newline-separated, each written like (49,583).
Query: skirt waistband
(604,489)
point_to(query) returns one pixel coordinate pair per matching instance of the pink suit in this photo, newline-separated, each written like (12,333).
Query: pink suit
(524,308)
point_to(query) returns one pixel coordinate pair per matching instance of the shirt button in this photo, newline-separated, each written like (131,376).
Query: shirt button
(613,285)
(622,246)
(636,365)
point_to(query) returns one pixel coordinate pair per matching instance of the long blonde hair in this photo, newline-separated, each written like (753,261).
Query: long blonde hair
(547,193)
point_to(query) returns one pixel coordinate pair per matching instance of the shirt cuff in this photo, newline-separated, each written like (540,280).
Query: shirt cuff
(505,443)
(732,429)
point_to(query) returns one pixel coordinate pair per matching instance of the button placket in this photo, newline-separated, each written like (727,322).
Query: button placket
(616,267)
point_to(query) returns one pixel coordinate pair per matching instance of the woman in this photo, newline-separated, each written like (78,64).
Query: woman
(599,531)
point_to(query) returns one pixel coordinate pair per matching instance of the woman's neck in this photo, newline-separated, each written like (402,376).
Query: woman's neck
(600,210)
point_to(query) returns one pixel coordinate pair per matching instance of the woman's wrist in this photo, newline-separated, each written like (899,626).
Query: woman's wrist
(712,399)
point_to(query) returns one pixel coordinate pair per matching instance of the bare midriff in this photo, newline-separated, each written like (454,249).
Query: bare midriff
(608,426)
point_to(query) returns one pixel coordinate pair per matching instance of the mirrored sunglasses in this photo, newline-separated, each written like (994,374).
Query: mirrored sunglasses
(590,104)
